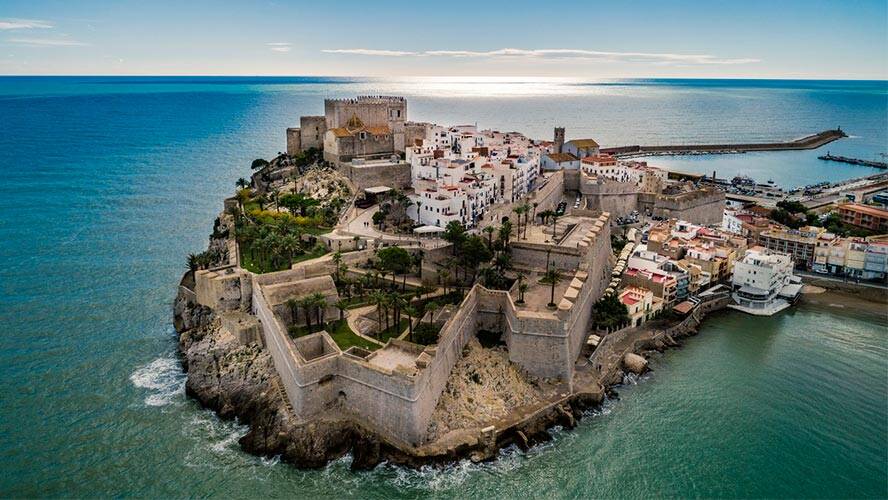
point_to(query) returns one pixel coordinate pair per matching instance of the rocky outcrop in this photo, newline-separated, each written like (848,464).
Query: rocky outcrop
(483,386)
(635,363)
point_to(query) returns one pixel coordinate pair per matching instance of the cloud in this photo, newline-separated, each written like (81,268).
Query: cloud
(24,24)
(557,54)
(46,42)
(373,52)
(279,46)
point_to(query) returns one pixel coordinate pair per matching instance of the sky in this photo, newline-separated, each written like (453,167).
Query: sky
(615,39)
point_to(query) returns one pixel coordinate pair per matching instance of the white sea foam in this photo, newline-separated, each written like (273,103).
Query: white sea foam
(216,442)
(163,378)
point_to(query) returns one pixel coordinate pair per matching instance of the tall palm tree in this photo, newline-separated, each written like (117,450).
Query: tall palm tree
(522,289)
(505,232)
(293,305)
(444,278)
(411,313)
(337,260)
(377,298)
(552,277)
(527,208)
(242,183)
(489,230)
(307,306)
(193,262)
(319,303)
(342,305)
(430,308)
(519,211)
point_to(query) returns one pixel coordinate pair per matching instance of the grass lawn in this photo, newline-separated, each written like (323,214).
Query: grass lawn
(256,267)
(341,334)
(345,337)
(392,332)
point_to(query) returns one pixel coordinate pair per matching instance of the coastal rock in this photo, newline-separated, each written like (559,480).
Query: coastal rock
(635,363)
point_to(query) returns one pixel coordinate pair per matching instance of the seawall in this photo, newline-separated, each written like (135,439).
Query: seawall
(810,142)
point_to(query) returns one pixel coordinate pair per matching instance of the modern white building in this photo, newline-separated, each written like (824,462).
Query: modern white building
(763,282)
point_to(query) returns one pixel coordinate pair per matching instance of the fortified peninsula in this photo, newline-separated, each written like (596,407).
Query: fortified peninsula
(420,294)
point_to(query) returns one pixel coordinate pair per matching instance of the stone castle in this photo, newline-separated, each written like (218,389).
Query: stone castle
(395,389)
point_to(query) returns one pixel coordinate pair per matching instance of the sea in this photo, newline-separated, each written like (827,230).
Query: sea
(109,182)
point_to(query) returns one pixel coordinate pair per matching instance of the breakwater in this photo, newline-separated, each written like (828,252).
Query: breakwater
(813,141)
(853,161)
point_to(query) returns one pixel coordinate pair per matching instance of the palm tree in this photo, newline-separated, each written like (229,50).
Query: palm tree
(307,306)
(444,277)
(337,260)
(342,305)
(544,215)
(377,298)
(552,277)
(289,245)
(505,232)
(519,211)
(489,230)
(242,183)
(430,308)
(527,208)
(522,289)
(411,313)
(320,305)
(502,262)
(293,305)
(193,262)
(399,303)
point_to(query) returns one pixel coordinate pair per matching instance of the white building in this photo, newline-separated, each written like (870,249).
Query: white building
(581,148)
(560,161)
(458,172)
(731,223)
(763,282)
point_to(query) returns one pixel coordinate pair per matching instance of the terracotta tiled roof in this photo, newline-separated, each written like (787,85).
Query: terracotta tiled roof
(864,209)
(584,143)
(562,157)
(378,130)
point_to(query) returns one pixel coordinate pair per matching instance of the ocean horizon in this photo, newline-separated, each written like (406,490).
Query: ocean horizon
(113,181)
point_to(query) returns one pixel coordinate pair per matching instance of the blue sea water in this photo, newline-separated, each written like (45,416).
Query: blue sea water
(110,182)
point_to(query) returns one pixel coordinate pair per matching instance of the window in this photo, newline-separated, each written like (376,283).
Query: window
(363,135)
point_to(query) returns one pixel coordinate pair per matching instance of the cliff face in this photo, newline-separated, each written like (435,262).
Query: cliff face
(239,381)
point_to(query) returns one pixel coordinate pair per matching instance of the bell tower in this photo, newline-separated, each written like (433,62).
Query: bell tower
(559,139)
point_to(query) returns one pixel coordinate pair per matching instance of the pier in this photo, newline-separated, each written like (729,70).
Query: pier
(809,142)
(853,161)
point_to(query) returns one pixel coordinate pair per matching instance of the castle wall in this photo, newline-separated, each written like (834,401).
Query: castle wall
(533,255)
(222,289)
(396,175)
(343,149)
(312,130)
(703,207)
(294,141)
(618,198)
(371,111)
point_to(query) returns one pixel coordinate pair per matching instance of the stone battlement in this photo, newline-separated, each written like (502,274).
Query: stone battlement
(369,99)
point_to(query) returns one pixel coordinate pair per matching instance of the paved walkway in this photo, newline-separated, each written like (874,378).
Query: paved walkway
(352,319)
(360,223)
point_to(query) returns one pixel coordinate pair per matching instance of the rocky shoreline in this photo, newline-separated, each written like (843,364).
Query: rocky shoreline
(240,381)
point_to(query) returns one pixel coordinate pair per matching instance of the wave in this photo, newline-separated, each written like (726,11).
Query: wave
(163,378)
